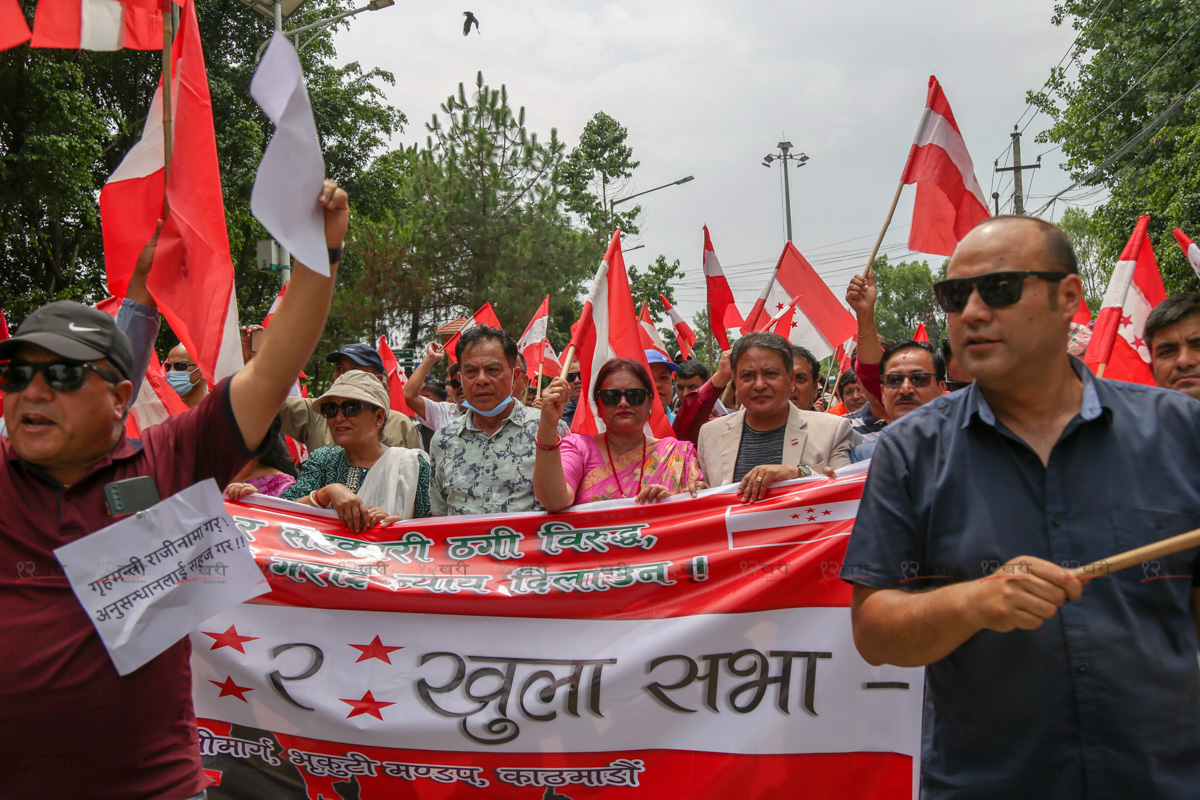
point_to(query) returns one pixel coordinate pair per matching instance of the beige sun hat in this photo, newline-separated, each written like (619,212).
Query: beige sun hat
(357,385)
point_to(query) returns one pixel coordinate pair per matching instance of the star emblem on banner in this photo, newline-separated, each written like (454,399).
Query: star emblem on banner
(229,638)
(367,705)
(795,516)
(793,324)
(779,307)
(230,689)
(1126,320)
(812,519)
(376,649)
(1138,343)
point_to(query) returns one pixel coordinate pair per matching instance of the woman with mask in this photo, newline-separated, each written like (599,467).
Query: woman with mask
(184,376)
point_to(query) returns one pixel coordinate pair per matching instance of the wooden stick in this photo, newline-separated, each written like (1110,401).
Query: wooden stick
(168,16)
(567,359)
(538,396)
(1137,555)
(886,223)
(1100,370)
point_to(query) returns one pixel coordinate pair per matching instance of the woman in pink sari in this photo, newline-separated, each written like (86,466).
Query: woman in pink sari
(622,462)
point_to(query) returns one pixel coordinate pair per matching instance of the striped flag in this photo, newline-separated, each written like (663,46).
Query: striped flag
(1190,249)
(684,334)
(95,25)
(486,315)
(649,334)
(722,311)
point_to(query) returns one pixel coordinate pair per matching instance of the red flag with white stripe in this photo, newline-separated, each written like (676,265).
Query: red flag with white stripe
(1134,289)
(486,315)
(649,334)
(684,335)
(819,321)
(192,277)
(722,311)
(1190,249)
(608,328)
(396,378)
(535,346)
(274,306)
(95,25)
(949,200)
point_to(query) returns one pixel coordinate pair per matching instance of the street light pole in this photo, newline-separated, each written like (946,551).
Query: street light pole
(785,155)
(612,203)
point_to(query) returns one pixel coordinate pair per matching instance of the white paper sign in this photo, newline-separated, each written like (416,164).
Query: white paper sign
(292,170)
(151,578)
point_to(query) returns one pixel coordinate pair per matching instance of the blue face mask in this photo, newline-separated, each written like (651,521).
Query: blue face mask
(181,382)
(495,412)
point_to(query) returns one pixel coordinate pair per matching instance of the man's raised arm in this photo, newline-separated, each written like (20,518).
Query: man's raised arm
(258,390)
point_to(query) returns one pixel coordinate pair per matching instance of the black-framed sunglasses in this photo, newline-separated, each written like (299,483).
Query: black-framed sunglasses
(349,408)
(612,397)
(572,377)
(996,289)
(919,380)
(178,366)
(61,376)
(455,384)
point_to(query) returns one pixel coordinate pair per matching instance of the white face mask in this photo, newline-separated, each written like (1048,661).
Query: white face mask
(181,382)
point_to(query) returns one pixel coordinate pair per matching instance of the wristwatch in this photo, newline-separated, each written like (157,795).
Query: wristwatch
(335,254)
(804,471)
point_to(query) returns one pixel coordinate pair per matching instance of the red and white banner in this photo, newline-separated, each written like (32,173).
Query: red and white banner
(819,322)
(684,335)
(949,200)
(722,311)
(1190,249)
(535,345)
(608,328)
(690,648)
(95,24)
(396,379)
(648,333)
(486,315)
(1134,289)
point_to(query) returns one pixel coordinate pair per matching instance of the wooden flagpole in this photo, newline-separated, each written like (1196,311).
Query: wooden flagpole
(1159,549)
(168,20)
(541,366)
(886,223)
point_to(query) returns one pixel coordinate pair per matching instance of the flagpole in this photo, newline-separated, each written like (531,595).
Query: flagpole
(567,359)
(886,223)
(538,396)
(168,16)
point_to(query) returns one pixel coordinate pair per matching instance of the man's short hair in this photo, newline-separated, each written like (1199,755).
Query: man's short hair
(767,340)
(436,387)
(1060,255)
(1175,308)
(692,369)
(848,377)
(806,354)
(939,366)
(479,333)
(453,369)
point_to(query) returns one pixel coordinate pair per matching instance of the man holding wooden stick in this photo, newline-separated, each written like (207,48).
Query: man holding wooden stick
(979,511)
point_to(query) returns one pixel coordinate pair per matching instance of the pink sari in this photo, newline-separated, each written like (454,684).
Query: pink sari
(669,462)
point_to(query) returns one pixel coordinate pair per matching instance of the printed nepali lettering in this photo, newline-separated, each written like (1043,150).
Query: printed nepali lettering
(557,536)
(413,547)
(437,584)
(500,543)
(314,573)
(756,664)
(441,773)
(322,765)
(622,772)
(534,580)
(503,729)
(213,745)
(248,526)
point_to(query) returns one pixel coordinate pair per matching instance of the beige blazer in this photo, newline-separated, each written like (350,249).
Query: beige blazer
(813,438)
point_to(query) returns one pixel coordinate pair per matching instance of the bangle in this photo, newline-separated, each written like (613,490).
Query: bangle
(544,446)
(312,498)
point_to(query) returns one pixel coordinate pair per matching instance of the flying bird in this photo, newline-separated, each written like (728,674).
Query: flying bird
(468,22)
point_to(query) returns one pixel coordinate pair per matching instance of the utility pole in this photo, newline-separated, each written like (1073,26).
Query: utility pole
(785,155)
(1018,194)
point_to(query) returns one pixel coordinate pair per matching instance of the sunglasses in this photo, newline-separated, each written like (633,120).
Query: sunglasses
(919,380)
(61,376)
(612,397)
(455,384)
(349,408)
(574,376)
(178,366)
(996,289)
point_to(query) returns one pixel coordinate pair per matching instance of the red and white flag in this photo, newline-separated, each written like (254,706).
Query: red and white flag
(722,311)
(1190,249)
(396,379)
(782,322)
(486,315)
(843,353)
(274,306)
(1135,288)
(609,328)
(94,25)
(649,334)
(535,346)
(192,278)
(1084,315)
(819,321)
(949,200)
(920,334)
(684,334)
(14,29)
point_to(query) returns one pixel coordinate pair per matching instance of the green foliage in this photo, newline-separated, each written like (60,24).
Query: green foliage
(906,299)
(1093,271)
(655,280)
(595,172)
(703,337)
(1135,62)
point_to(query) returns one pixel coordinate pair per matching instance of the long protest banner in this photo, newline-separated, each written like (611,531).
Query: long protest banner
(690,648)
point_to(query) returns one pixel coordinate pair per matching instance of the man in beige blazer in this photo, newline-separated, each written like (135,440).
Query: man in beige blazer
(770,439)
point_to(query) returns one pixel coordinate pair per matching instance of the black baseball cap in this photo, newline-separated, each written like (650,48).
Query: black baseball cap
(360,354)
(75,331)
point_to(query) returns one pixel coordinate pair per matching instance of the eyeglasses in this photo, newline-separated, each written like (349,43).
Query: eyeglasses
(178,366)
(349,408)
(61,376)
(996,289)
(455,384)
(919,380)
(574,376)
(612,397)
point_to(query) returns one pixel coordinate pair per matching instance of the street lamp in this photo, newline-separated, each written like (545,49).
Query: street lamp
(786,155)
(279,10)
(612,203)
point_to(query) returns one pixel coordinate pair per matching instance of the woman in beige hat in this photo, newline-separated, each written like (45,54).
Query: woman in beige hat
(359,477)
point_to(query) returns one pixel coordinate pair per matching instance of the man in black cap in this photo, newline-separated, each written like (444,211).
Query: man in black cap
(303,422)
(66,383)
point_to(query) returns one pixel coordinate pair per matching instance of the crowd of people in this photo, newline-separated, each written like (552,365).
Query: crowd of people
(998,447)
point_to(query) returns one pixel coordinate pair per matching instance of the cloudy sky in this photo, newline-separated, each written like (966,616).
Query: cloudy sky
(708,88)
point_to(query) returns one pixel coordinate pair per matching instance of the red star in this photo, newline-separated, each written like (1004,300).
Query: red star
(368,705)
(779,307)
(230,689)
(793,324)
(229,638)
(795,516)
(826,512)
(1126,321)
(376,649)
(810,519)
(1138,342)
(810,511)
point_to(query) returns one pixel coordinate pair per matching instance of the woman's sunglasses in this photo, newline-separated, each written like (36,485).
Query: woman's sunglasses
(612,397)
(349,408)
(61,376)
(996,289)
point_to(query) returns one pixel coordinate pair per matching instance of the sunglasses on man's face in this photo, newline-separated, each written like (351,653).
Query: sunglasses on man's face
(178,366)
(572,377)
(455,384)
(919,380)
(612,397)
(61,376)
(349,408)
(996,289)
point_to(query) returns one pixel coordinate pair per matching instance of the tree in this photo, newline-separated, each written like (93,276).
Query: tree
(905,299)
(654,281)
(1078,226)
(595,171)
(1129,121)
